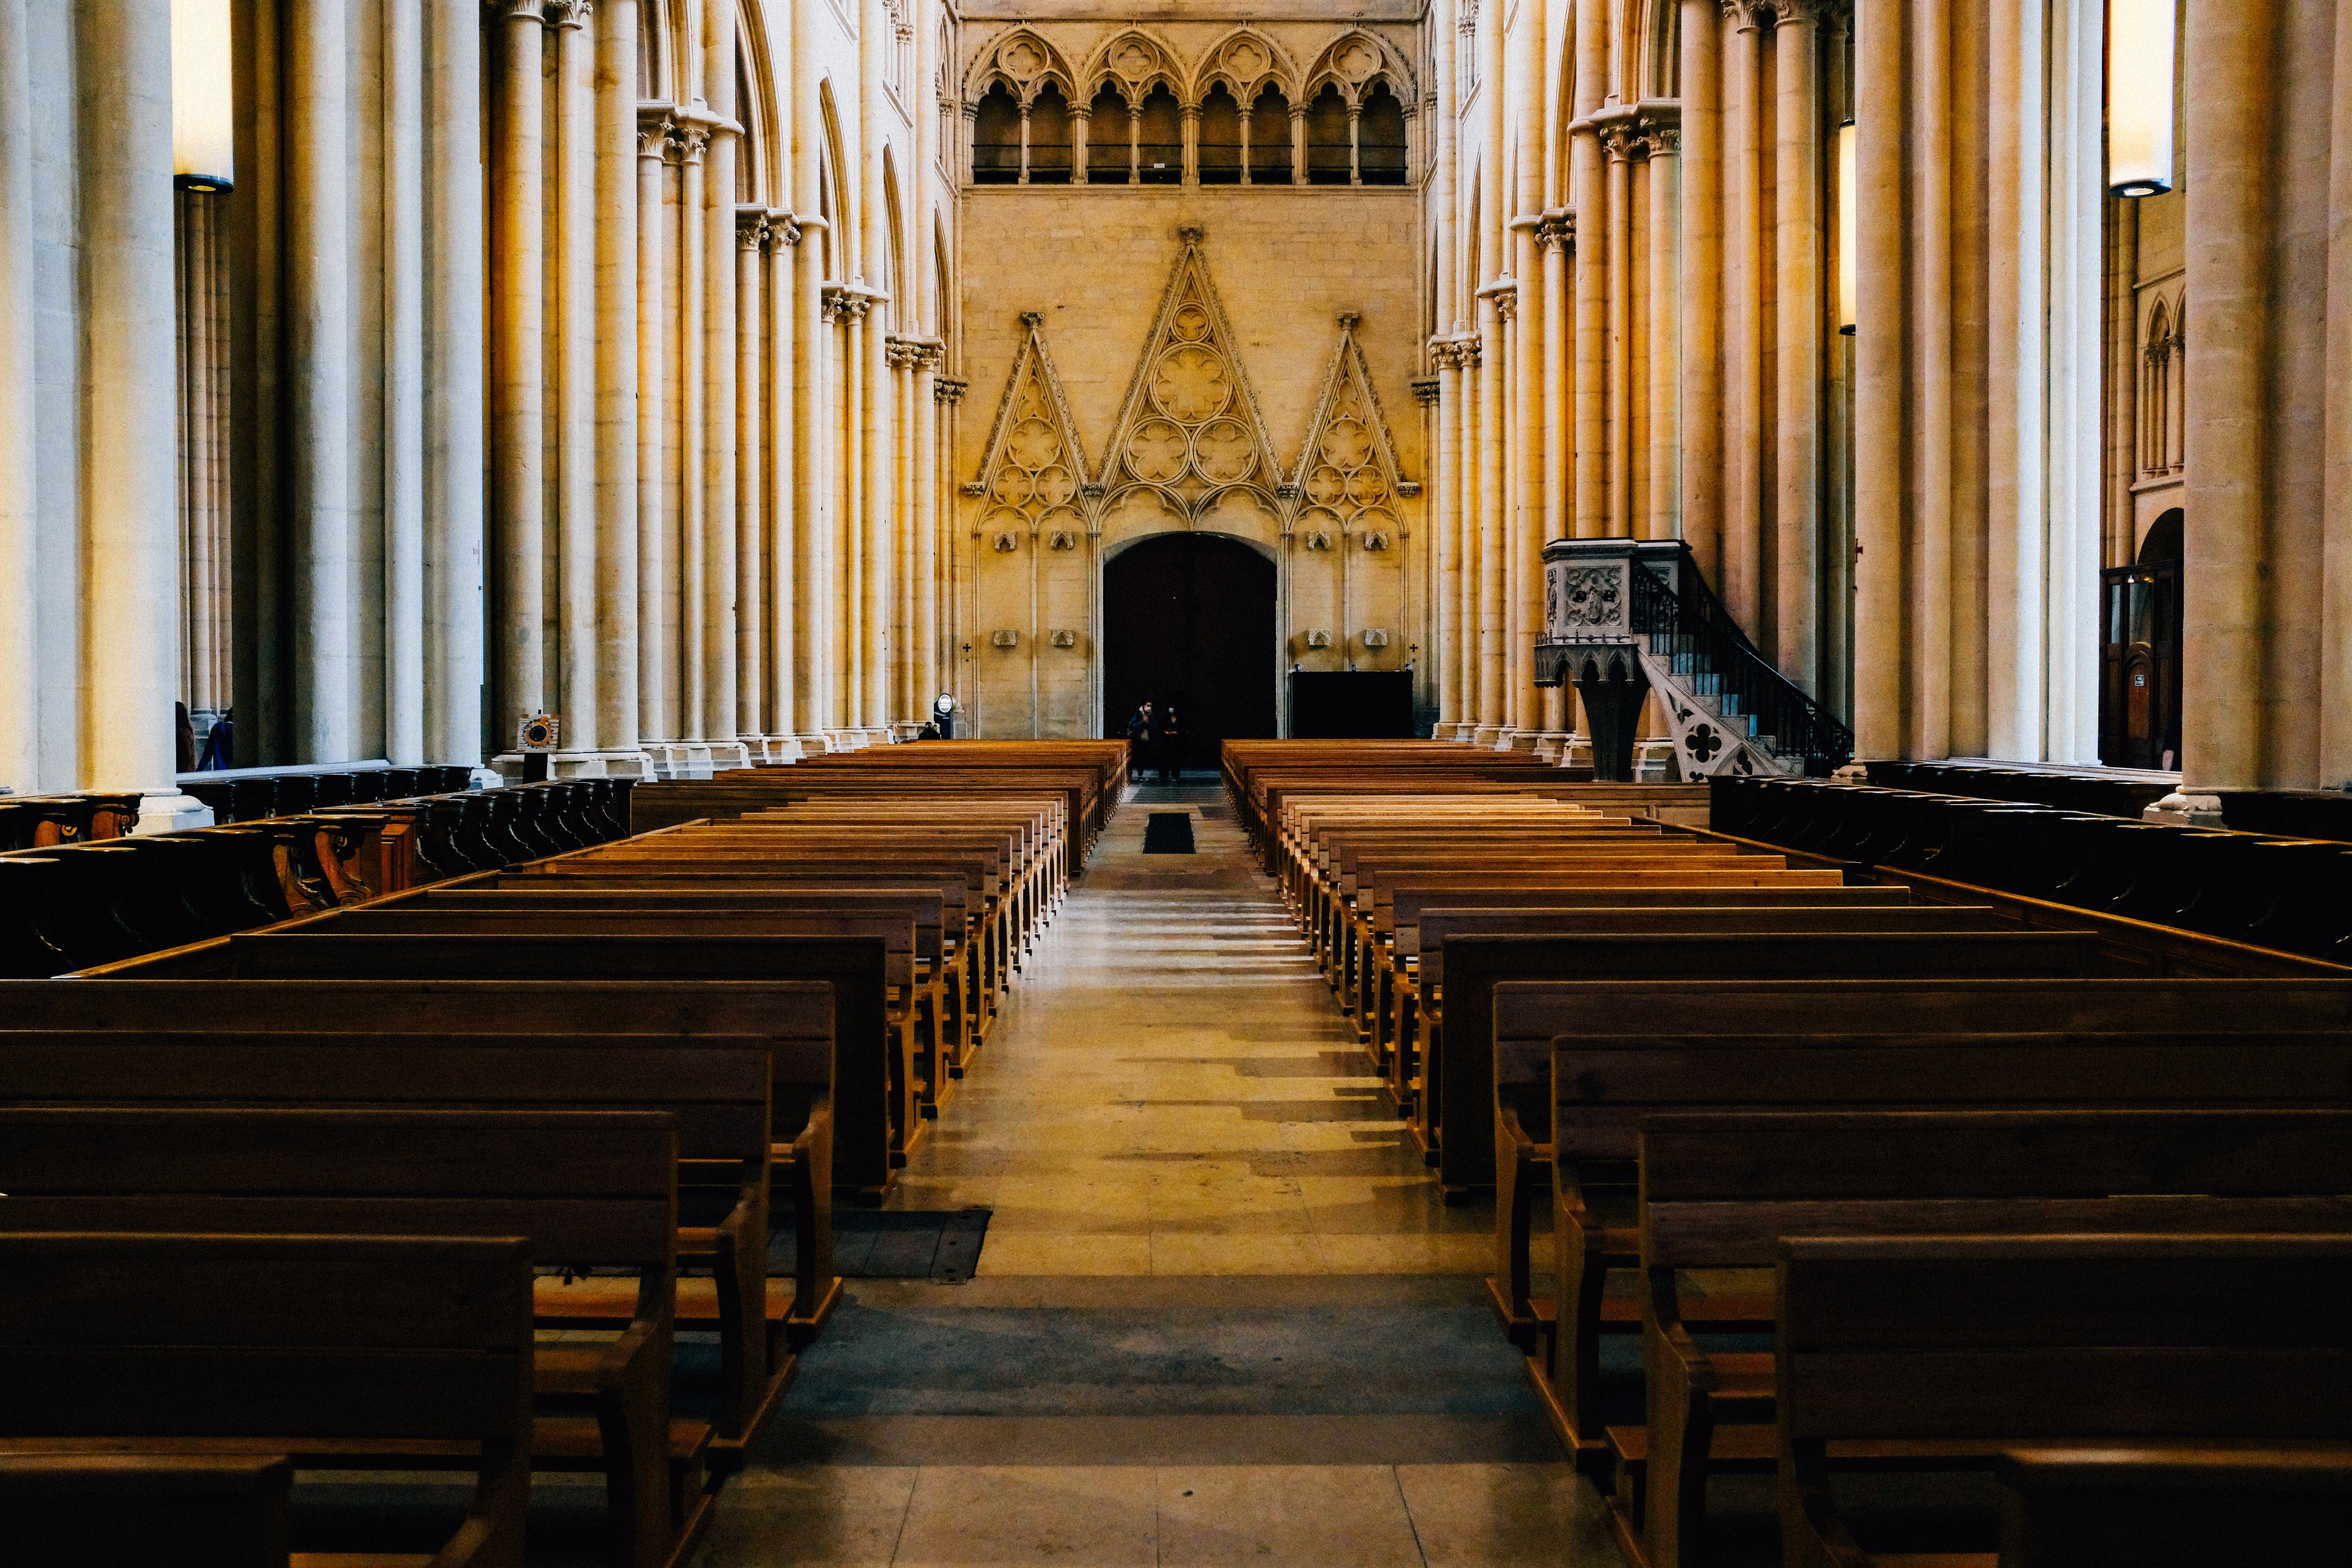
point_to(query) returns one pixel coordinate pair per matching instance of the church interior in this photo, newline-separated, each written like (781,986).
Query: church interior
(1465,784)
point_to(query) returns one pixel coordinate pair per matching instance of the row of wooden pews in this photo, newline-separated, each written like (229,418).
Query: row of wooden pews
(1883,1185)
(649,1059)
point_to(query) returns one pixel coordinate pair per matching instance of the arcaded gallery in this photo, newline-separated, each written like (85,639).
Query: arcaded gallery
(1340,783)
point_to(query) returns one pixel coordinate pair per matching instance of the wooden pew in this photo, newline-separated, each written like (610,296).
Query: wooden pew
(1479,968)
(2182,1506)
(1758,1046)
(1718,1190)
(595,1189)
(114,1344)
(549,1045)
(157,1510)
(1943,1352)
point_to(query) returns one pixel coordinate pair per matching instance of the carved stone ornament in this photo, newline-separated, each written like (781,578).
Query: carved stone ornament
(1033,473)
(1007,542)
(1062,540)
(1349,473)
(1376,542)
(1318,639)
(1376,637)
(1316,540)
(1063,640)
(1004,639)
(1592,596)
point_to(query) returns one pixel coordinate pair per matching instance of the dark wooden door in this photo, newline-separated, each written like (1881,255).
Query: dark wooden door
(1188,619)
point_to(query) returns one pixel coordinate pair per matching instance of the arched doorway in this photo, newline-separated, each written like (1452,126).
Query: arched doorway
(1189,618)
(2140,694)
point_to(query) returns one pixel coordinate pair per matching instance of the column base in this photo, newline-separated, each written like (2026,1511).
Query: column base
(845,740)
(2179,809)
(480,777)
(679,759)
(631,764)
(1488,737)
(905,730)
(1575,750)
(1458,734)
(877,734)
(771,751)
(169,811)
(1519,741)
(1551,745)
(814,743)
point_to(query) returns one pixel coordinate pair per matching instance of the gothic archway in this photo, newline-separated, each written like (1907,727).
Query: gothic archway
(1189,618)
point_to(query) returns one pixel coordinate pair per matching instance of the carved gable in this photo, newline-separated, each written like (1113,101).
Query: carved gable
(1190,430)
(1348,477)
(1031,479)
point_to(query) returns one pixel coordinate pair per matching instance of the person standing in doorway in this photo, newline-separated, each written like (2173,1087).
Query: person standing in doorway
(1139,743)
(1171,746)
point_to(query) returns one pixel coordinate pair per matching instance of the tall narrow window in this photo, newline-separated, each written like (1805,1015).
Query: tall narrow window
(1160,140)
(1221,138)
(1269,157)
(1380,138)
(1049,138)
(996,140)
(1328,152)
(1109,140)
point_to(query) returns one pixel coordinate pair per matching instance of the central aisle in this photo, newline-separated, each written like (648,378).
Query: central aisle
(1221,1316)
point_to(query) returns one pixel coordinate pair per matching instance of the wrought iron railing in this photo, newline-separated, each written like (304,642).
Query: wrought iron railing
(1690,628)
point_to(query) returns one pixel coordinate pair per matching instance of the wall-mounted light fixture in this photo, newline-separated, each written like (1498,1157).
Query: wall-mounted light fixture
(203,123)
(1849,226)
(1006,639)
(2139,97)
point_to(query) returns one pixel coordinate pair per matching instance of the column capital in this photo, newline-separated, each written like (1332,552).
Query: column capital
(948,389)
(655,128)
(563,14)
(784,229)
(1427,390)
(518,10)
(1799,13)
(1621,140)
(750,227)
(688,143)
(1557,229)
(1747,16)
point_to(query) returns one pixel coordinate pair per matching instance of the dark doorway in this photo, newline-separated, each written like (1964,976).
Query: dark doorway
(2140,688)
(1188,619)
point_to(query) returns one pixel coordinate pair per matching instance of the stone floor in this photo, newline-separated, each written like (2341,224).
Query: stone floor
(1221,1315)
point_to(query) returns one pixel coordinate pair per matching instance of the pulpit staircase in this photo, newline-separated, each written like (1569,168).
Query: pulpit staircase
(1730,709)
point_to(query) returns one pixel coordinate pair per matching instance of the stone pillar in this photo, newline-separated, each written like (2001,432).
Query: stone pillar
(847,311)
(1355,146)
(878,416)
(1190,119)
(784,528)
(19,661)
(1588,515)
(1298,144)
(928,525)
(454,648)
(1494,712)
(1797,402)
(1741,584)
(618,174)
(1135,144)
(1926,295)
(1882,307)
(751,544)
(691,393)
(1664,166)
(204,493)
(1082,120)
(1701,411)
(815,692)
(656,141)
(1558,382)
(403,385)
(123,131)
(1023,177)
(574,423)
(2232,97)
(2335,483)
(318,220)
(1620,142)
(1466,472)
(518,421)
(716,216)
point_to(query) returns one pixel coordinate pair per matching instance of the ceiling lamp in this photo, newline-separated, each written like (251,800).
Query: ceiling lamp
(203,127)
(2139,97)
(1848,228)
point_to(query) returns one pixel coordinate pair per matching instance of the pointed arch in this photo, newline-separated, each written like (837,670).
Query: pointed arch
(1023,59)
(1246,60)
(902,315)
(1132,61)
(1659,49)
(764,168)
(834,187)
(1353,62)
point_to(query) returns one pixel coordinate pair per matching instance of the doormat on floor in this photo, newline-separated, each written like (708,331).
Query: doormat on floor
(1169,833)
(938,1245)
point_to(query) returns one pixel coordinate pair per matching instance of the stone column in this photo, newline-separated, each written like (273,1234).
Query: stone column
(1355,143)
(574,246)
(123,128)
(1493,521)
(2335,483)
(717,216)
(657,142)
(403,385)
(877,416)
(1444,497)
(1297,143)
(928,525)
(1589,512)
(1881,383)
(1135,144)
(784,528)
(318,219)
(847,311)
(1467,472)
(1023,177)
(1664,508)
(1190,120)
(1742,585)
(204,522)
(618,174)
(751,544)
(1558,394)
(1082,121)
(19,661)
(1797,402)
(1620,142)
(691,392)
(517,422)
(1702,412)
(452,433)
(1927,296)
(815,694)
(2232,92)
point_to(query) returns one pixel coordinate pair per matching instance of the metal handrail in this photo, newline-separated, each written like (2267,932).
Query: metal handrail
(1800,726)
